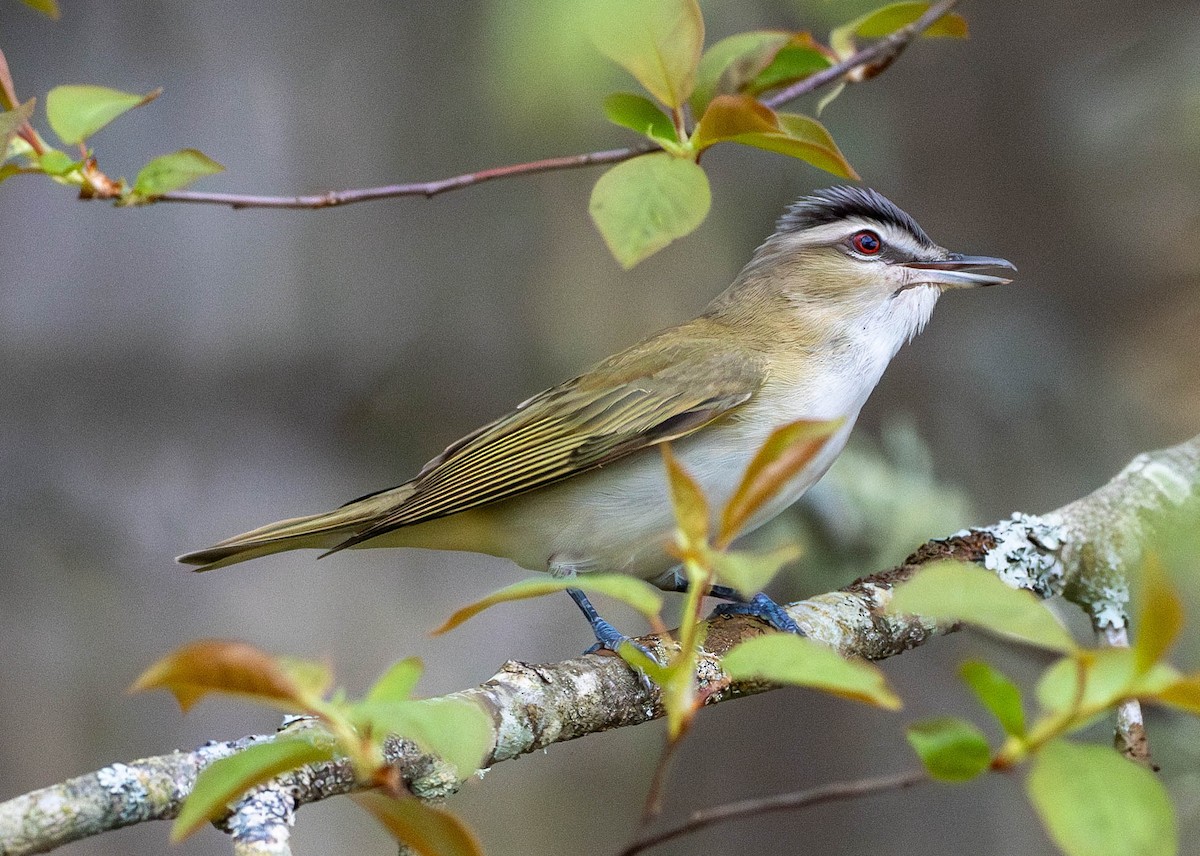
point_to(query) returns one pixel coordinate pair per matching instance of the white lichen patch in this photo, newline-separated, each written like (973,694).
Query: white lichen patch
(122,781)
(265,817)
(438,782)
(1108,606)
(1026,554)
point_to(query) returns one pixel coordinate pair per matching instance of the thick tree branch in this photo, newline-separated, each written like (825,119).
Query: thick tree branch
(1078,550)
(862,65)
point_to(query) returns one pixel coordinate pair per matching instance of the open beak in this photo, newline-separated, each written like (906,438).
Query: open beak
(954,271)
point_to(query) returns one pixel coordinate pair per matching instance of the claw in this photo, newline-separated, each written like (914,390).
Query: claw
(761,606)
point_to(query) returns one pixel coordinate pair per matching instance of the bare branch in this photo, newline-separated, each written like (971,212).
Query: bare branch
(428,189)
(1075,551)
(863,65)
(793,801)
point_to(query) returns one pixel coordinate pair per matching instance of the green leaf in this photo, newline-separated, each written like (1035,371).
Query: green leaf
(653,669)
(807,139)
(1094,802)
(638,594)
(12,121)
(455,729)
(952,749)
(398,681)
(657,41)
(641,115)
(687,500)
(998,694)
(786,452)
(8,170)
(887,20)
(56,162)
(952,591)
(1160,618)
(798,60)
(645,203)
(173,171)
(78,112)
(742,119)
(49,8)
(783,658)
(1109,675)
(235,668)
(750,572)
(425,830)
(228,778)
(729,65)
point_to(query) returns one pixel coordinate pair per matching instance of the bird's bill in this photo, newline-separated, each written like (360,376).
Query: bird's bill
(954,271)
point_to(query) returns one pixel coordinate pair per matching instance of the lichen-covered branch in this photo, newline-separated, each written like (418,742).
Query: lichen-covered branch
(1078,551)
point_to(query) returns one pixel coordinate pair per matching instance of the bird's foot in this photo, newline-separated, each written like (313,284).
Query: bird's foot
(608,638)
(761,606)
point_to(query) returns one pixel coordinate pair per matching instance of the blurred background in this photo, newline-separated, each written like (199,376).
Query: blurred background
(176,374)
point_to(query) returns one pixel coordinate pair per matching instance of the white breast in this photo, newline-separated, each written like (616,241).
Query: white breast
(619,518)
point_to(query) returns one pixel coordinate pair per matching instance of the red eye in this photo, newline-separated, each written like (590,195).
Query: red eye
(867,243)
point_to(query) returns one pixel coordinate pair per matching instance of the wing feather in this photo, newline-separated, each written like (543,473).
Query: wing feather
(639,398)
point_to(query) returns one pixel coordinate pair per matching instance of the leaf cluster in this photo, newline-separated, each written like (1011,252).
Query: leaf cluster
(1092,801)
(455,730)
(76,113)
(702,98)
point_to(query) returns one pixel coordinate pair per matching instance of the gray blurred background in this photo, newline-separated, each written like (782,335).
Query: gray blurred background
(175,374)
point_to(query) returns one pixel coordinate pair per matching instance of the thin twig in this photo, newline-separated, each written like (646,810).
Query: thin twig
(1131,740)
(428,189)
(652,807)
(871,60)
(875,57)
(780,802)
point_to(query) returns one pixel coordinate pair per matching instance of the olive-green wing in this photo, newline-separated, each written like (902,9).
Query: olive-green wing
(644,396)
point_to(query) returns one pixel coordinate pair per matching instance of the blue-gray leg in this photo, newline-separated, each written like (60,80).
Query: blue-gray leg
(607,636)
(760,606)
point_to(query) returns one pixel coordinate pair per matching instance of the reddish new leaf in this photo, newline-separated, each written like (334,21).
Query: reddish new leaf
(236,668)
(787,451)
(730,116)
(8,92)
(742,119)
(687,498)
(426,830)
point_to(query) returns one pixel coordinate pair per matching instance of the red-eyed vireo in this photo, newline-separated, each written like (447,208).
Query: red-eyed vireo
(570,482)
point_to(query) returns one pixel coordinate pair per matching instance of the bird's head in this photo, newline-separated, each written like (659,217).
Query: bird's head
(853,241)
(846,254)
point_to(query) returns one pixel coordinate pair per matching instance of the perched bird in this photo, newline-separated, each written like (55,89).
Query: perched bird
(569,482)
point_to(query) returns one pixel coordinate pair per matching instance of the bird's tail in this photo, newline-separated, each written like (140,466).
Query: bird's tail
(315,531)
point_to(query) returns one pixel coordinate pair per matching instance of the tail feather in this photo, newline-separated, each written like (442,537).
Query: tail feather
(314,531)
